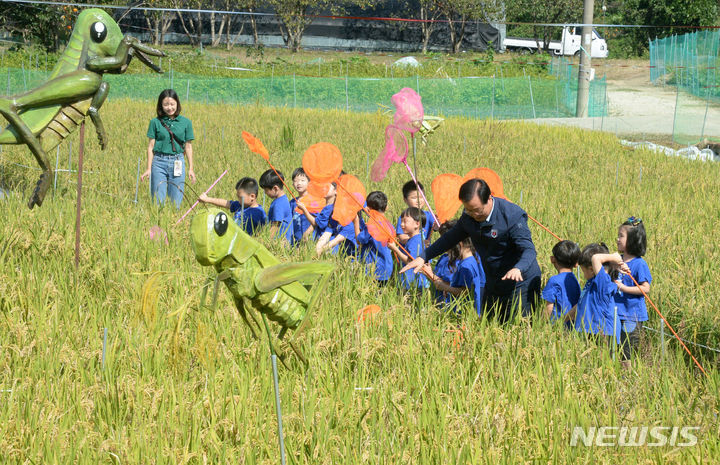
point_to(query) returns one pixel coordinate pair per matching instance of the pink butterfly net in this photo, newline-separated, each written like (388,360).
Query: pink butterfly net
(409,111)
(408,117)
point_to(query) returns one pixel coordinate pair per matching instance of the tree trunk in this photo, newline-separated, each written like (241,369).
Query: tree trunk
(212,28)
(253,25)
(426,28)
(457,33)
(166,22)
(190,36)
(215,39)
(153,31)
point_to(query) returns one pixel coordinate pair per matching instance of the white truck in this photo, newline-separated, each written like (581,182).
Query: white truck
(569,44)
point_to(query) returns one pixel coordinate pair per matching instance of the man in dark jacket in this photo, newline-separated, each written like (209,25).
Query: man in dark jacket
(499,232)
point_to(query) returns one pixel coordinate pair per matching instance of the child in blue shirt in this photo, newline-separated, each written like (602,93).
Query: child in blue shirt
(246,212)
(372,251)
(330,234)
(630,301)
(413,199)
(468,278)
(301,226)
(413,221)
(279,214)
(442,267)
(562,291)
(596,309)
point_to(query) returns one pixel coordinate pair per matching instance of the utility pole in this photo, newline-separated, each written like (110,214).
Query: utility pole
(581,111)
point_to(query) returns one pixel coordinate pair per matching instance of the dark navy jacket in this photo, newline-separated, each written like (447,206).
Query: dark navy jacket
(503,243)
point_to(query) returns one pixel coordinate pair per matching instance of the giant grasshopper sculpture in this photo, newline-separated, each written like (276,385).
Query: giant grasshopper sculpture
(284,292)
(43,117)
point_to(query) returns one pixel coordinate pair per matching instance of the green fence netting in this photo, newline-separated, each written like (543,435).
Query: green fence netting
(473,97)
(689,62)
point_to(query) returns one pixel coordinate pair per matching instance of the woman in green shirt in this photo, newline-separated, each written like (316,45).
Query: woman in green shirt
(171,136)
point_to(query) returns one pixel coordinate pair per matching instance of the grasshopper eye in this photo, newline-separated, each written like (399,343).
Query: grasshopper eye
(98,32)
(221,223)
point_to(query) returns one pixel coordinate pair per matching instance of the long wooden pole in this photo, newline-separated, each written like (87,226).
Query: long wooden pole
(81,149)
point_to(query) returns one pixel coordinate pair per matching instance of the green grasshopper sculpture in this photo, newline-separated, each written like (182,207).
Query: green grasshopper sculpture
(43,117)
(257,280)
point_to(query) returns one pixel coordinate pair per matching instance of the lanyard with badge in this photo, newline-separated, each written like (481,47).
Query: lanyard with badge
(177,166)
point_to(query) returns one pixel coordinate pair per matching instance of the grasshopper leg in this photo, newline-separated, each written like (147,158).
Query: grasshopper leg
(241,304)
(7,109)
(95,104)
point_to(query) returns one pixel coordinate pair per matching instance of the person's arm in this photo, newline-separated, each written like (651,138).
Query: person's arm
(403,257)
(335,241)
(440,246)
(189,154)
(549,306)
(634,290)
(356,225)
(213,201)
(150,155)
(520,235)
(614,259)
(274,228)
(308,232)
(308,215)
(570,316)
(440,284)
(322,242)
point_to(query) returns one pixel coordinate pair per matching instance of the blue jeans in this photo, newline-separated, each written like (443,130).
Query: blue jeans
(162,182)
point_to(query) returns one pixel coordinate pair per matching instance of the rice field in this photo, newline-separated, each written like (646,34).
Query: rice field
(183,383)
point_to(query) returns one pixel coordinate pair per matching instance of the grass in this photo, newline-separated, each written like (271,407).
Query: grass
(186,384)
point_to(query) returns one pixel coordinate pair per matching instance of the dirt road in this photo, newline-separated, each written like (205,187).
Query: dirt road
(641,110)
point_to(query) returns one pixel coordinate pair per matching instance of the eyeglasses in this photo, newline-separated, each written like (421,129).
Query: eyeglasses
(634,221)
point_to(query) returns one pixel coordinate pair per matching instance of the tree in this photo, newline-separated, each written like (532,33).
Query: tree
(429,12)
(295,16)
(294,19)
(191,23)
(546,11)
(663,15)
(158,22)
(46,25)
(459,12)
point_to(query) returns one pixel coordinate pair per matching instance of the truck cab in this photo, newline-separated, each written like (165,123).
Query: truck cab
(571,42)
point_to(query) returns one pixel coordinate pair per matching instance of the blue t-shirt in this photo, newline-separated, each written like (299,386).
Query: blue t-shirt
(632,307)
(248,218)
(325,223)
(563,291)
(322,219)
(280,213)
(442,270)
(470,275)
(426,230)
(596,308)
(410,279)
(300,223)
(374,253)
(348,232)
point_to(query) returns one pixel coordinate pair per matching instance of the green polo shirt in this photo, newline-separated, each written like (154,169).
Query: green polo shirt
(179,125)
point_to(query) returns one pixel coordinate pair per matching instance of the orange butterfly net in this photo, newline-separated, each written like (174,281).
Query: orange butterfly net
(350,199)
(446,189)
(322,162)
(490,177)
(380,228)
(255,145)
